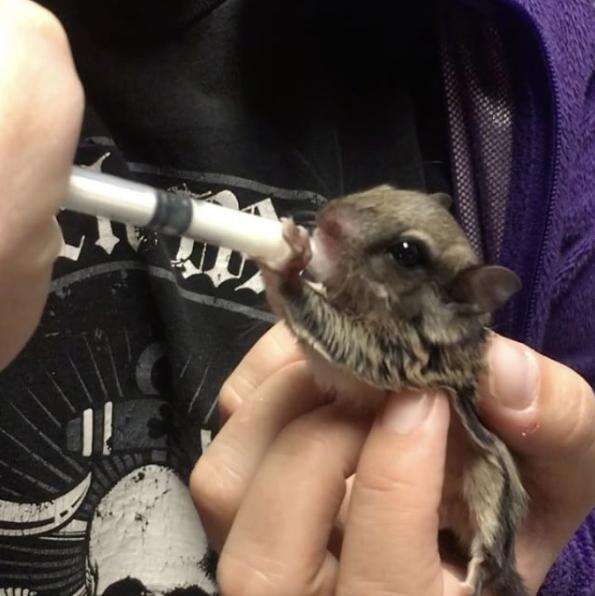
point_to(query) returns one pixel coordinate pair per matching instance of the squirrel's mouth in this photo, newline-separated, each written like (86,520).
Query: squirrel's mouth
(331,231)
(322,266)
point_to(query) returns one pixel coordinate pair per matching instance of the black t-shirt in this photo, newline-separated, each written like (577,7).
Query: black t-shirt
(264,106)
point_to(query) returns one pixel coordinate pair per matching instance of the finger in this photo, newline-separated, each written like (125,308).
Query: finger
(274,350)
(278,542)
(542,409)
(221,476)
(41,108)
(390,544)
(546,413)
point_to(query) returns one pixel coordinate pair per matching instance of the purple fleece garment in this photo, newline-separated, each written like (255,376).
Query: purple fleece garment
(558,248)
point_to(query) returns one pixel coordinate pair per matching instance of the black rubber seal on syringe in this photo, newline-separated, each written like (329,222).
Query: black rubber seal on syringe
(173,214)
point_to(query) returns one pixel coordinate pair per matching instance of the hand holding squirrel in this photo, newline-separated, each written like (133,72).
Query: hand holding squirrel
(275,490)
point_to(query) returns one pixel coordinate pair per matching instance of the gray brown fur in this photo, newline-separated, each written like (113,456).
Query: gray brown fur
(392,328)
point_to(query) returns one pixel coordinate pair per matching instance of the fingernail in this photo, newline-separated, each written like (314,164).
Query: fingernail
(513,374)
(406,411)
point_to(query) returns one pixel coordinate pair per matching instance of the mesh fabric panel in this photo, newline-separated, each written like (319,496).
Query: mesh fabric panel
(480,112)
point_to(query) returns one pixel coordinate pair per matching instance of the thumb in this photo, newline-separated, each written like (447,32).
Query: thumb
(390,543)
(539,407)
(545,412)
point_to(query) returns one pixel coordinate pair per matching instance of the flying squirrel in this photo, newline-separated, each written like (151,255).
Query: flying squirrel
(405,304)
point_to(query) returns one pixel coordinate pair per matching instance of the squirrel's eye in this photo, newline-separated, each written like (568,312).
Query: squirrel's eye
(408,253)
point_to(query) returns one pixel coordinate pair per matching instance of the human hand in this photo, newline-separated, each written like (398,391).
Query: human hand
(273,496)
(41,106)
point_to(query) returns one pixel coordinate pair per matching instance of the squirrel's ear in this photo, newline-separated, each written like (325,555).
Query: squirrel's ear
(486,287)
(442,198)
